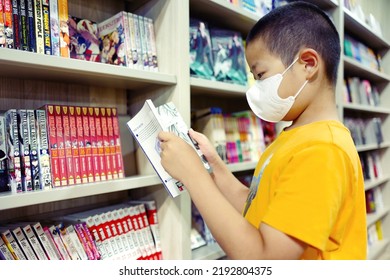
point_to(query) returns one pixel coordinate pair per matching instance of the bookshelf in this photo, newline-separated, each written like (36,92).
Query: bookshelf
(30,80)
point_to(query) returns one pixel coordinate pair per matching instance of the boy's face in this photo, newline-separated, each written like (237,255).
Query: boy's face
(264,64)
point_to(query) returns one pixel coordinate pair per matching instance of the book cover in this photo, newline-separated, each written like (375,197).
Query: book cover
(13,152)
(33,241)
(4,184)
(34,150)
(84,39)
(117,143)
(32,41)
(112,38)
(146,125)
(81,142)
(94,148)
(201,56)
(46,27)
(68,145)
(229,56)
(24,143)
(8,24)
(135,55)
(87,144)
(16,24)
(63,16)
(54,28)
(75,145)
(44,157)
(39,28)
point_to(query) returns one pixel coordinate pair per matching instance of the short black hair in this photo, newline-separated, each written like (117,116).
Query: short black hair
(296,25)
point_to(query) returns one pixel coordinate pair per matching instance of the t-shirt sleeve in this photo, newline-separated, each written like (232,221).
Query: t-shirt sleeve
(309,195)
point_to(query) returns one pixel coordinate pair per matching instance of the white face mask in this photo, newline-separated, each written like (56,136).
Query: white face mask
(264,101)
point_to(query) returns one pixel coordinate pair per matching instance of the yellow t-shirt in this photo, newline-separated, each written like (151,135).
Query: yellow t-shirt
(309,185)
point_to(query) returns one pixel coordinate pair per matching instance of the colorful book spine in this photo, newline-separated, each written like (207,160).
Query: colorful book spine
(16,24)
(32,41)
(54,28)
(106,143)
(61,145)
(117,141)
(55,234)
(75,145)
(133,47)
(100,145)
(137,38)
(81,141)
(53,146)
(144,44)
(24,142)
(12,245)
(84,242)
(46,26)
(23,243)
(95,155)
(2,25)
(8,24)
(23,26)
(112,153)
(39,29)
(50,250)
(63,16)
(15,167)
(4,184)
(153,45)
(87,144)
(34,150)
(70,170)
(5,253)
(44,156)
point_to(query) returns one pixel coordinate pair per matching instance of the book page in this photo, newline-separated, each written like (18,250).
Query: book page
(145,127)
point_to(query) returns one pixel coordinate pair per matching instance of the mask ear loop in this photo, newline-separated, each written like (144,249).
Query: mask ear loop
(295,60)
(300,89)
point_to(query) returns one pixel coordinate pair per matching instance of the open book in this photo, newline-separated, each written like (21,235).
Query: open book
(145,127)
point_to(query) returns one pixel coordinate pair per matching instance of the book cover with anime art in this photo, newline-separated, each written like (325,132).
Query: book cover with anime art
(229,56)
(84,39)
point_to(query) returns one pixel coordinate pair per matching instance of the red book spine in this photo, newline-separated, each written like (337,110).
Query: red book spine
(61,144)
(80,140)
(118,149)
(87,144)
(100,145)
(68,146)
(54,160)
(110,129)
(75,145)
(106,143)
(94,151)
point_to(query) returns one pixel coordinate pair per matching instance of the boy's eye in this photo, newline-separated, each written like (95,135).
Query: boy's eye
(259,76)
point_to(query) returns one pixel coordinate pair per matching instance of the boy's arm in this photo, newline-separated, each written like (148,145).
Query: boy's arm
(237,237)
(228,184)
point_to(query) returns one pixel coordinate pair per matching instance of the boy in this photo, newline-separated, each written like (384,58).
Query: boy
(306,199)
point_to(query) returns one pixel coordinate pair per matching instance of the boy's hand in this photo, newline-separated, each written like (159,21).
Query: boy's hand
(178,158)
(205,146)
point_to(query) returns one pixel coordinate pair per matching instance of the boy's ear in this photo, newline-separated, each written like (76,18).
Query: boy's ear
(310,58)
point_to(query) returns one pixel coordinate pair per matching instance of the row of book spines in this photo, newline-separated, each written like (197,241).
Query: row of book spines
(365,131)
(238,137)
(84,144)
(360,91)
(371,165)
(31,24)
(374,200)
(86,149)
(131,232)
